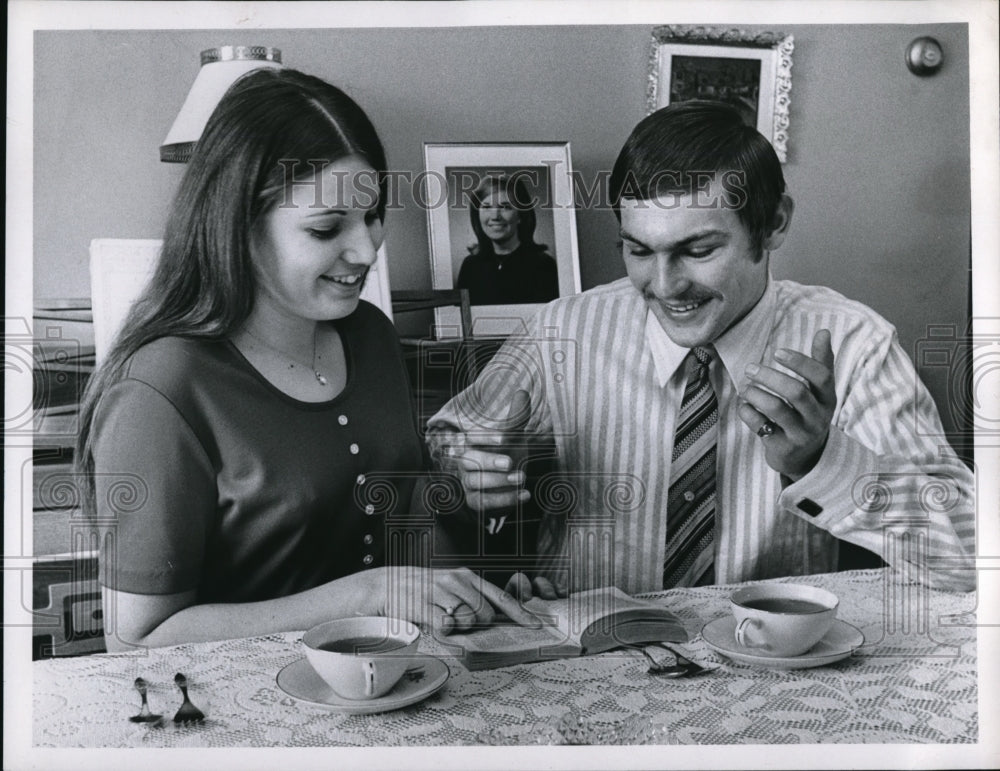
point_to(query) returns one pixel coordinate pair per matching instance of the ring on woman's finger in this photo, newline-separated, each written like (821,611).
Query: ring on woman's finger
(449,610)
(465,617)
(766,429)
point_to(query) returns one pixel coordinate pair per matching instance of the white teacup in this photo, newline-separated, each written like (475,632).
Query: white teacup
(363,657)
(782,619)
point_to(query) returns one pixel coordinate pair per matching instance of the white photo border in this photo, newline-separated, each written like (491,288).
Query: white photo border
(772,49)
(498,320)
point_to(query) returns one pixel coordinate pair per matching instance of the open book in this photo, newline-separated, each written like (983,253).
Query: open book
(587,622)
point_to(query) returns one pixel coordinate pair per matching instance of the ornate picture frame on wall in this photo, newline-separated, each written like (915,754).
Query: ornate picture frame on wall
(750,70)
(502,224)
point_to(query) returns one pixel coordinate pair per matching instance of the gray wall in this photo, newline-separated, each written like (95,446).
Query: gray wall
(878,158)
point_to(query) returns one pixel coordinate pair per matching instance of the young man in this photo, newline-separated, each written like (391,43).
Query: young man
(713,424)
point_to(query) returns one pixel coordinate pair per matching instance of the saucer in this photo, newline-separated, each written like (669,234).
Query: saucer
(839,643)
(424,677)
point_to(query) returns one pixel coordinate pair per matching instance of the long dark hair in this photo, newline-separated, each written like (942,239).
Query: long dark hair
(273,126)
(517,194)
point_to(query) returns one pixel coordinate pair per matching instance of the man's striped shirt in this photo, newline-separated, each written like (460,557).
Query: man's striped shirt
(605,384)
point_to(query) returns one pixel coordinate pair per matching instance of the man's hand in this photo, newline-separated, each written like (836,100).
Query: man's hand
(800,413)
(488,470)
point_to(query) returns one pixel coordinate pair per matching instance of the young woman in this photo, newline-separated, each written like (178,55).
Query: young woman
(506,265)
(249,442)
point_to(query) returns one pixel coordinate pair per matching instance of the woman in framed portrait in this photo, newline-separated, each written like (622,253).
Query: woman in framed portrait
(505,266)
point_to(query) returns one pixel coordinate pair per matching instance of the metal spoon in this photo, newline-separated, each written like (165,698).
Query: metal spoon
(659,669)
(144,716)
(693,667)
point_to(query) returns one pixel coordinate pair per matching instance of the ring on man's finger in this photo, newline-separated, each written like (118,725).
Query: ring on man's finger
(766,429)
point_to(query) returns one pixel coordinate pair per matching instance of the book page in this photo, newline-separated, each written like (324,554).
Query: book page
(595,620)
(600,619)
(505,638)
(577,613)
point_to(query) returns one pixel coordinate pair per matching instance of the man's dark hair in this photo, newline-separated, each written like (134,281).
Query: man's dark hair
(676,148)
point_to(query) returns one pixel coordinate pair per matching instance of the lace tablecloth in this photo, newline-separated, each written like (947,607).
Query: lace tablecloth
(913,681)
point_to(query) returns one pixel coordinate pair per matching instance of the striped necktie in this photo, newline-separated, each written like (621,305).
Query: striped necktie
(691,499)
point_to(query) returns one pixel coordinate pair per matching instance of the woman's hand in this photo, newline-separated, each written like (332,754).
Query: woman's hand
(524,588)
(447,600)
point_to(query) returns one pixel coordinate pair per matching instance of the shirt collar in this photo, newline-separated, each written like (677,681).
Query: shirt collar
(667,355)
(742,344)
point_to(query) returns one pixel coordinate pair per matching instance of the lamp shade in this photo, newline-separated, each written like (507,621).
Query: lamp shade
(220,67)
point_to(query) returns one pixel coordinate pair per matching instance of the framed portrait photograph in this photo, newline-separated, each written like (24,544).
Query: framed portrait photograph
(750,70)
(502,224)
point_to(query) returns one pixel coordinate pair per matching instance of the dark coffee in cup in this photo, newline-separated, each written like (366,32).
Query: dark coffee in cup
(782,619)
(784,605)
(361,644)
(361,657)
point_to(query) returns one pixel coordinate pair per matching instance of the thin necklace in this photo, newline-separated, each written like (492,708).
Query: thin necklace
(501,257)
(320,377)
